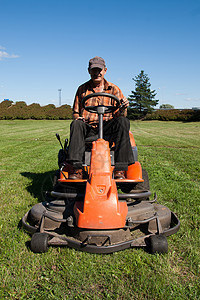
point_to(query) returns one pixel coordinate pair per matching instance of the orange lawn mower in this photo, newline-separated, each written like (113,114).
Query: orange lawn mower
(100,214)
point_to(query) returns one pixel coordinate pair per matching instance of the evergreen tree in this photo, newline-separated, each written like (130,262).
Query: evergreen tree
(141,101)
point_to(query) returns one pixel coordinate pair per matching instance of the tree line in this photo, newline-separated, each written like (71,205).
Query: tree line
(20,110)
(142,104)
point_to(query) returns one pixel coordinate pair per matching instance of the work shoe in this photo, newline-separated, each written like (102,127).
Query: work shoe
(77,174)
(119,174)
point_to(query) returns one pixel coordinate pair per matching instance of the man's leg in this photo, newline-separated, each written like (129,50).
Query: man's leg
(78,131)
(118,130)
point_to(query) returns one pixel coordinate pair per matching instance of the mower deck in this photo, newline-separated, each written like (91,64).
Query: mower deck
(51,225)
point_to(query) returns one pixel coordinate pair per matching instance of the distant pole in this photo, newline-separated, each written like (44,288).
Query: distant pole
(59,90)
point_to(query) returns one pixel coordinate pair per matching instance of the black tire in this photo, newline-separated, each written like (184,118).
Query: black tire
(158,244)
(144,186)
(55,178)
(39,242)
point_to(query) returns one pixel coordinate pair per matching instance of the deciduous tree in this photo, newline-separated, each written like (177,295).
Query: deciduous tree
(166,106)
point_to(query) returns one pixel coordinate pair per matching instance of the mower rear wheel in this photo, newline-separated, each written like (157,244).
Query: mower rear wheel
(158,244)
(39,242)
(144,186)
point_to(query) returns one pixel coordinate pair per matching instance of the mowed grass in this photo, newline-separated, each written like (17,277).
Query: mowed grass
(169,151)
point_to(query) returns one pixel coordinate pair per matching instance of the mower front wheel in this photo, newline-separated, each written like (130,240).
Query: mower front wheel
(158,244)
(39,242)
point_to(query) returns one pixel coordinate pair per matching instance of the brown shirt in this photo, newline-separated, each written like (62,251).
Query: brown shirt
(88,88)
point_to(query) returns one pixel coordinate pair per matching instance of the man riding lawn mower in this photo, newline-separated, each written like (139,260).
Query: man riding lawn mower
(85,210)
(85,124)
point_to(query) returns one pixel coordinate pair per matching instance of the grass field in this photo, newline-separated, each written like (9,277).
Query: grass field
(169,151)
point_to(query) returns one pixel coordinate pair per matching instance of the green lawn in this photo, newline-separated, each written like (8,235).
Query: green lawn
(169,151)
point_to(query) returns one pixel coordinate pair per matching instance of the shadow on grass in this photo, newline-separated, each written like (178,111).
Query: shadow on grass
(40,183)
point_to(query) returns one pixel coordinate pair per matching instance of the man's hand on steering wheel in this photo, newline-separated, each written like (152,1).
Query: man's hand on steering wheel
(81,118)
(124,104)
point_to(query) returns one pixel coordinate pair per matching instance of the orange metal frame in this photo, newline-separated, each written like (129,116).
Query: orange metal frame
(133,174)
(101,208)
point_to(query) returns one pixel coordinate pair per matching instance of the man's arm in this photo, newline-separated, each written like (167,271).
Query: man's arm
(76,107)
(122,111)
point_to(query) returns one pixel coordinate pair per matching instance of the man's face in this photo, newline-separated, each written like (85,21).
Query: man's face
(97,74)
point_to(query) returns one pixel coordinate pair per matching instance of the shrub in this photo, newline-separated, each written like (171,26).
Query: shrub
(21,110)
(186,115)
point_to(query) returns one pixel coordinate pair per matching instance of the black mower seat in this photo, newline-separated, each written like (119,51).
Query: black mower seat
(92,138)
(95,137)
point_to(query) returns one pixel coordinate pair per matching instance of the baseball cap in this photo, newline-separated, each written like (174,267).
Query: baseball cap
(97,62)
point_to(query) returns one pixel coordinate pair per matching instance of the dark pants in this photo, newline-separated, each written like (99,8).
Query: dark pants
(115,130)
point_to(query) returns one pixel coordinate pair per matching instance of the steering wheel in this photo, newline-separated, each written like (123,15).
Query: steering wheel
(107,108)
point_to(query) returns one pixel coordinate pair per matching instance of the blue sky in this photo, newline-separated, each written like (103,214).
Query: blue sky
(45,45)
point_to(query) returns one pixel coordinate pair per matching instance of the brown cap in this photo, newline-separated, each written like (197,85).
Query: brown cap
(97,62)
